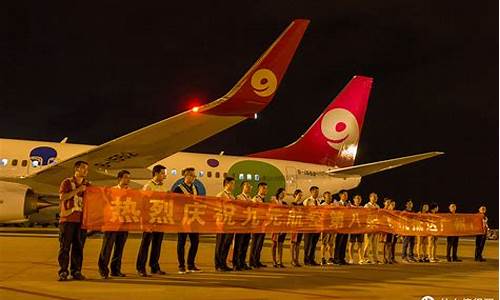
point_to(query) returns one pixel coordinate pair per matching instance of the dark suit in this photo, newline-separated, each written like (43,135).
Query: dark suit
(452,244)
(340,243)
(480,242)
(241,242)
(154,239)
(194,238)
(340,248)
(110,239)
(256,248)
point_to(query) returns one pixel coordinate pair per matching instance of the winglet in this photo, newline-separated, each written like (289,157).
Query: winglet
(256,88)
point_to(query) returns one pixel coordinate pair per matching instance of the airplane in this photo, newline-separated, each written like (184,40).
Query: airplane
(324,156)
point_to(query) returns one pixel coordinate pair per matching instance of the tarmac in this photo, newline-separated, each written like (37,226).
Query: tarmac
(28,264)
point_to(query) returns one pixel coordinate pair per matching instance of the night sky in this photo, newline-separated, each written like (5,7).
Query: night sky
(93,72)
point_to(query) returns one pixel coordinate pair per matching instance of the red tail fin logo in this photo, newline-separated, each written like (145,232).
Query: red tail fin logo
(340,127)
(264,82)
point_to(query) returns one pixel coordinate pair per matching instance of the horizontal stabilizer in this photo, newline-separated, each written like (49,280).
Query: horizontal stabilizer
(379,166)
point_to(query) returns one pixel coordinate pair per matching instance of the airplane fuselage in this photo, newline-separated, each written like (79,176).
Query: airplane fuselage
(23,158)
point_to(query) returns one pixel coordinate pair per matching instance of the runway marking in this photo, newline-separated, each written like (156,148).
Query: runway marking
(48,235)
(36,293)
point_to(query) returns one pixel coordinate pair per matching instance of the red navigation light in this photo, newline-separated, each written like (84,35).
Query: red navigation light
(195,109)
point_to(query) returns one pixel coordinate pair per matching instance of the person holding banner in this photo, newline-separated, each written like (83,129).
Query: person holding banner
(388,237)
(341,238)
(311,239)
(242,240)
(258,238)
(481,239)
(187,187)
(327,237)
(357,238)
(278,238)
(154,239)
(408,241)
(423,241)
(452,241)
(71,234)
(296,237)
(433,239)
(223,240)
(394,239)
(372,239)
(114,238)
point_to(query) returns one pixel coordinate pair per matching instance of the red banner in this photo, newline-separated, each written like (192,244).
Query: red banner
(111,209)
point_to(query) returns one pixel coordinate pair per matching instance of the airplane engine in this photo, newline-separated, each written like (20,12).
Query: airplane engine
(16,202)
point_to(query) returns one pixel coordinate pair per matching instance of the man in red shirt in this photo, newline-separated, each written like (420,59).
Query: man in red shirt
(71,236)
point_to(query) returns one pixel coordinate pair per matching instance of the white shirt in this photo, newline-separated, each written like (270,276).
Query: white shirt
(120,187)
(310,202)
(155,187)
(370,205)
(342,203)
(244,197)
(258,199)
(226,194)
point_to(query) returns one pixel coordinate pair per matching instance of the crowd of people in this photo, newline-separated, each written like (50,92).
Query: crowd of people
(233,248)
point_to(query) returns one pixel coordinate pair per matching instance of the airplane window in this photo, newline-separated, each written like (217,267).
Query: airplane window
(225,175)
(241,176)
(4,162)
(217,174)
(256,177)
(201,173)
(174,172)
(24,163)
(14,162)
(249,176)
(209,174)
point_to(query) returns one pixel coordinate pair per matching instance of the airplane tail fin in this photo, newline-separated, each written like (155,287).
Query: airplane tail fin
(333,138)
(256,88)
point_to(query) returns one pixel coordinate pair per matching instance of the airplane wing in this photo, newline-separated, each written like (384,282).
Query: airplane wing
(141,148)
(379,166)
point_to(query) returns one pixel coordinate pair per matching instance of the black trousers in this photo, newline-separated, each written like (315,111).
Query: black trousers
(110,239)
(340,247)
(408,246)
(310,242)
(154,239)
(194,240)
(452,244)
(71,242)
(222,245)
(480,242)
(241,242)
(393,247)
(256,248)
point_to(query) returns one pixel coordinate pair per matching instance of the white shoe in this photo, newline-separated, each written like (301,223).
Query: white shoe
(351,262)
